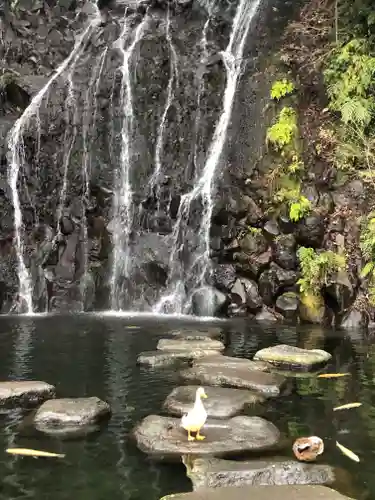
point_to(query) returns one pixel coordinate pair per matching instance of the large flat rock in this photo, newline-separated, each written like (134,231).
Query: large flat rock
(70,414)
(163,437)
(25,393)
(292,358)
(197,333)
(285,492)
(219,360)
(268,384)
(167,358)
(187,345)
(215,473)
(220,403)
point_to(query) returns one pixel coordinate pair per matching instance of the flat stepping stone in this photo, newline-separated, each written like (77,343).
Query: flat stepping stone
(25,393)
(268,384)
(293,358)
(163,438)
(70,414)
(216,473)
(197,333)
(285,492)
(186,345)
(220,403)
(167,358)
(218,360)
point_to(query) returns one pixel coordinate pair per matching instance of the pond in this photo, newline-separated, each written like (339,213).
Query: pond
(85,355)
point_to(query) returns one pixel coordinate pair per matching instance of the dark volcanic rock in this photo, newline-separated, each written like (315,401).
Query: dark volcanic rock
(284,251)
(163,437)
(311,231)
(204,297)
(25,393)
(355,319)
(274,280)
(218,473)
(220,403)
(287,304)
(239,377)
(69,414)
(224,276)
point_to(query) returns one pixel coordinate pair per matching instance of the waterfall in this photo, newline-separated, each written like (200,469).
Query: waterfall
(123,198)
(173,79)
(200,267)
(17,160)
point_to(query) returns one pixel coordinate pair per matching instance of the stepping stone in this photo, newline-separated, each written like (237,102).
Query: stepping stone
(68,415)
(285,492)
(218,360)
(220,403)
(25,393)
(216,473)
(167,358)
(197,333)
(187,345)
(268,384)
(163,438)
(293,358)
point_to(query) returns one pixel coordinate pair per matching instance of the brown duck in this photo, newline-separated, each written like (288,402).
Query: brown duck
(306,449)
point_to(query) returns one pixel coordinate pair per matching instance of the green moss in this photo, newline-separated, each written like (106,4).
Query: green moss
(281,88)
(367,245)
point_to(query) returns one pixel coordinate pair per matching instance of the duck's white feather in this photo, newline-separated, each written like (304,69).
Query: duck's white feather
(195,419)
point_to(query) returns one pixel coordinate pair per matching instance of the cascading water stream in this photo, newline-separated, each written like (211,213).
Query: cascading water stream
(123,198)
(203,190)
(17,160)
(173,80)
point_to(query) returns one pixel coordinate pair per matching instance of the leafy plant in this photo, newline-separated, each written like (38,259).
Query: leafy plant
(283,131)
(281,88)
(299,206)
(367,244)
(317,268)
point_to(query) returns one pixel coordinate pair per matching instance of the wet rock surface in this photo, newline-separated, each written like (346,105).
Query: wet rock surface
(267,384)
(220,403)
(216,473)
(190,344)
(285,492)
(70,414)
(25,393)
(167,358)
(221,361)
(164,438)
(290,357)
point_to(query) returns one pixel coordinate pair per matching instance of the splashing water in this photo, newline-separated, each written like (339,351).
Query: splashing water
(122,203)
(17,160)
(203,189)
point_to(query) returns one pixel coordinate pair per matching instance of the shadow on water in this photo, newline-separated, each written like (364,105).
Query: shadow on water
(90,355)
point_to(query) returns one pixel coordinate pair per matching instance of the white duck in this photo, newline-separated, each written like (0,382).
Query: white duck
(195,419)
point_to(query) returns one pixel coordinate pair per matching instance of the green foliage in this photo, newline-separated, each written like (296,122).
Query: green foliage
(299,206)
(317,268)
(350,82)
(281,88)
(283,131)
(254,230)
(367,244)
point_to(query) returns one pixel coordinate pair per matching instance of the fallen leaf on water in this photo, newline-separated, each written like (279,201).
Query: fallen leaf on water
(333,375)
(347,406)
(347,452)
(33,453)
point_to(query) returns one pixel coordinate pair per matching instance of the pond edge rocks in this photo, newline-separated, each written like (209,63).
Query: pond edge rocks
(25,393)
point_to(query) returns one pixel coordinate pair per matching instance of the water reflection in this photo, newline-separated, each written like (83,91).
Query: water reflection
(86,356)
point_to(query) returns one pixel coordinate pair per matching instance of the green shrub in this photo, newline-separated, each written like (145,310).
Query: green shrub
(283,131)
(281,88)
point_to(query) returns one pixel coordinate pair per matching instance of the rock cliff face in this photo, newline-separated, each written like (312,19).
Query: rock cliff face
(71,160)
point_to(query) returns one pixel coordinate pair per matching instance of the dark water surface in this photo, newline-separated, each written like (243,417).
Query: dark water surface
(88,355)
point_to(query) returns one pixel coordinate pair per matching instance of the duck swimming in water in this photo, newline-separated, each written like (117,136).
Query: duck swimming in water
(195,419)
(307,449)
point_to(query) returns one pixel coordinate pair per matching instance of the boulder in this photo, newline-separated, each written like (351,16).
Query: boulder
(223,277)
(287,304)
(274,280)
(163,437)
(310,231)
(190,345)
(253,299)
(220,361)
(220,403)
(271,229)
(216,473)
(25,393)
(267,314)
(284,251)
(290,357)
(267,384)
(354,319)
(208,301)
(70,414)
(252,264)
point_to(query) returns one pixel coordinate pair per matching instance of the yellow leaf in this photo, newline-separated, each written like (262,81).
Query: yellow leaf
(347,452)
(347,406)
(333,375)
(33,453)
